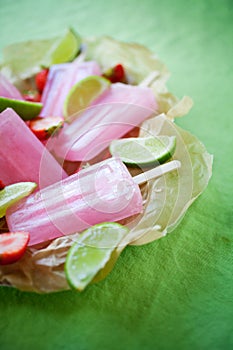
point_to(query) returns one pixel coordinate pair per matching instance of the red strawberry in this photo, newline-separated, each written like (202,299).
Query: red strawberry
(71,167)
(43,128)
(12,246)
(132,133)
(41,78)
(119,73)
(1,185)
(106,155)
(116,74)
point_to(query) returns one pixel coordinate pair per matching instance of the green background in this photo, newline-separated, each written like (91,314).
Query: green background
(175,293)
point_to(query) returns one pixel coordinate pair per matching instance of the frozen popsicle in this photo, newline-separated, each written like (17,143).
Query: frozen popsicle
(60,80)
(102,192)
(52,88)
(111,116)
(22,156)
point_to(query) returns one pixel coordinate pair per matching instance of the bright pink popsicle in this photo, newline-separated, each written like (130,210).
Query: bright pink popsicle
(60,80)
(22,156)
(110,117)
(102,192)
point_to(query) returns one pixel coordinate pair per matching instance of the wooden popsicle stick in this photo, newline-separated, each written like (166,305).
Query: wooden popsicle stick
(149,79)
(156,172)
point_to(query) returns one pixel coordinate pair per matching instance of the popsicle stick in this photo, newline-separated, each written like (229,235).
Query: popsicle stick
(156,172)
(149,79)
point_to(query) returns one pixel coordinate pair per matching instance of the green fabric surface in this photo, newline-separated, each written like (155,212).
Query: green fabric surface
(177,292)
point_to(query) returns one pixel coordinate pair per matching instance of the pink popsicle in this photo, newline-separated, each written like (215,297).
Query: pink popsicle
(111,116)
(102,192)
(52,88)
(60,80)
(22,156)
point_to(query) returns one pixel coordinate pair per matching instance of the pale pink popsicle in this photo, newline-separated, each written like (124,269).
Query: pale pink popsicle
(52,88)
(60,80)
(111,116)
(22,156)
(9,90)
(102,192)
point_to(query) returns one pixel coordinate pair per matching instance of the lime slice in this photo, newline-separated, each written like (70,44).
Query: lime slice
(144,151)
(91,251)
(66,48)
(25,109)
(22,60)
(12,193)
(83,94)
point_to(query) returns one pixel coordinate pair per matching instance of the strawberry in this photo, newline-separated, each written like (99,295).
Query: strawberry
(40,79)
(132,133)
(71,167)
(116,74)
(1,185)
(106,154)
(43,128)
(32,96)
(12,246)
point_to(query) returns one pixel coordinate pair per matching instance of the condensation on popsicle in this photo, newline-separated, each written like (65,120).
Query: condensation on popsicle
(111,116)
(102,192)
(22,155)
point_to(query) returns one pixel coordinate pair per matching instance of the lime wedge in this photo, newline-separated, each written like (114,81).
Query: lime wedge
(22,60)
(91,251)
(67,48)
(12,193)
(144,151)
(83,94)
(25,109)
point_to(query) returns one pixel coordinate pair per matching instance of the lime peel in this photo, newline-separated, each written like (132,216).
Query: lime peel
(25,109)
(144,151)
(91,251)
(13,193)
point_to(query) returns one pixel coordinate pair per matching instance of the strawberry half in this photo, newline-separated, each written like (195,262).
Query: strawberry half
(132,133)
(41,79)
(43,128)
(12,246)
(116,74)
